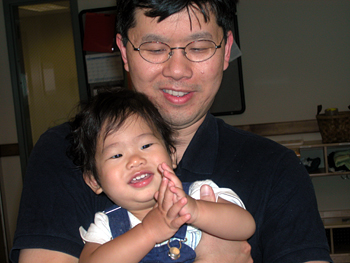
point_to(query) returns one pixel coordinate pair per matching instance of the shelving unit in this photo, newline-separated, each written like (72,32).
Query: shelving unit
(337,223)
(319,149)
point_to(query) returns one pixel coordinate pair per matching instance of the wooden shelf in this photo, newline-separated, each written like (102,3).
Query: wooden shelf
(336,223)
(300,147)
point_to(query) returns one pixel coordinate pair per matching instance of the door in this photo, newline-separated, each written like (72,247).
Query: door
(43,38)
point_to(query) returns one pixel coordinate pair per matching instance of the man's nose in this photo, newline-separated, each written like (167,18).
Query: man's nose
(178,66)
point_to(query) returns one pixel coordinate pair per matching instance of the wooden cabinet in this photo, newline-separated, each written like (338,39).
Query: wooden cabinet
(336,222)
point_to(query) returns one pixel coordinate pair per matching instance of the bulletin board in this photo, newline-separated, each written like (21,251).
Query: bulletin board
(104,66)
(102,60)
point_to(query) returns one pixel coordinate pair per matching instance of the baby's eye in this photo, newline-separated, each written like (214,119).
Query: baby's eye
(116,156)
(146,146)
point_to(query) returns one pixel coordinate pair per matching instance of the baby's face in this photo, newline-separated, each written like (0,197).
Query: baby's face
(127,163)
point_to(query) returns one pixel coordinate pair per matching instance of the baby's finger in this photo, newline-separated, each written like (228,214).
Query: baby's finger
(176,208)
(162,189)
(178,193)
(168,198)
(160,168)
(172,177)
(178,222)
(156,195)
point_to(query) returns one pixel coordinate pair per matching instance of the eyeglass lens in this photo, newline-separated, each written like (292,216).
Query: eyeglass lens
(197,51)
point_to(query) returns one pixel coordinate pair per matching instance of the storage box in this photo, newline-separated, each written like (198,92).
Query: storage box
(334,128)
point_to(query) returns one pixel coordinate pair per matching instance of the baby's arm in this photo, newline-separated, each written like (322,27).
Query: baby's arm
(222,219)
(159,224)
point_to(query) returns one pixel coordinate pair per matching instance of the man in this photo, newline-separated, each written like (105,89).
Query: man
(176,53)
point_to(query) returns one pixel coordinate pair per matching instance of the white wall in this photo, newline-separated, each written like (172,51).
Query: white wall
(295,56)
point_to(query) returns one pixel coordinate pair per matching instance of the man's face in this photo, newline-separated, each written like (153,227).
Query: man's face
(182,90)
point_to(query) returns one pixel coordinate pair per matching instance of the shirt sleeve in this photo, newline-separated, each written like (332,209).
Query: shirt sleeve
(54,188)
(224,193)
(99,231)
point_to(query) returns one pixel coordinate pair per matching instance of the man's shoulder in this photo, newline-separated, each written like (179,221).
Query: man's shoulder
(230,135)
(53,138)
(56,135)
(61,130)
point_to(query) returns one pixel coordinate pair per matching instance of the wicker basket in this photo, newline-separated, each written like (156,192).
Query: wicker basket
(334,128)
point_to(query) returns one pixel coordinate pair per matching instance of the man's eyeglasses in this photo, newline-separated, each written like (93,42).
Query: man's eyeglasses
(158,52)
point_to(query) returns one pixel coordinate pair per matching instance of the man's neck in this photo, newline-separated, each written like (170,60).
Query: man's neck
(184,137)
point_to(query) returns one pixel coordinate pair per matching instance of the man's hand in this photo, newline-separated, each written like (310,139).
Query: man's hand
(37,255)
(215,250)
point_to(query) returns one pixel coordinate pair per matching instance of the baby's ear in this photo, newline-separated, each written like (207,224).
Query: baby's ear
(92,183)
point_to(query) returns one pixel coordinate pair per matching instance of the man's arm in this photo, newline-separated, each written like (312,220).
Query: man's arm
(215,250)
(44,256)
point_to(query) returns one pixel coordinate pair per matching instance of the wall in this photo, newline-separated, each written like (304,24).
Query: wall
(295,56)
(51,77)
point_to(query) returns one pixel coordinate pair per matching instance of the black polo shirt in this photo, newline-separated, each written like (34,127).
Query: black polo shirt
(270,180)
(273,184)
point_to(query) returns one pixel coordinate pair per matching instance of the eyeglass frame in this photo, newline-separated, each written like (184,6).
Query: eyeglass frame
(170,54)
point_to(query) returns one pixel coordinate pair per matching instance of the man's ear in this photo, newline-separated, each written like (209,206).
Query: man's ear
(228,46)
(122,48)
(92,183)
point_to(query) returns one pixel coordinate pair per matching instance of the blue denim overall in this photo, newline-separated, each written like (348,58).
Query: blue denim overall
(119,223)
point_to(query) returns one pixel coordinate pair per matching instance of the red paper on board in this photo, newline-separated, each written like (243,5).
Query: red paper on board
(99,32)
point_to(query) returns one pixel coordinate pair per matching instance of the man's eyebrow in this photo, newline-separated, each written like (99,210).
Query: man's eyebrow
(200,35)
(153,37)
(192,37)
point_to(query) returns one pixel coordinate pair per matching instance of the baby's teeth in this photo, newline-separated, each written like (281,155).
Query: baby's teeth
(139,177)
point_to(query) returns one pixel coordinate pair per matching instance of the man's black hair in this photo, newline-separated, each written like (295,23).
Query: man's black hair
(224,11)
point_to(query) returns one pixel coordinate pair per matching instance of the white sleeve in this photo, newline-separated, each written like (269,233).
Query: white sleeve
(224,193)
(99,231)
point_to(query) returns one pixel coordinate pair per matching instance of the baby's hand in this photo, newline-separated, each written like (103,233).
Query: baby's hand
(174,182)
(169,173)
(176,188)
(164,219)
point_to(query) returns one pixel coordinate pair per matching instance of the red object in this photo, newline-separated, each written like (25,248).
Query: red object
(99,32)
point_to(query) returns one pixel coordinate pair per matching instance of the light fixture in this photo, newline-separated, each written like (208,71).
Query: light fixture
(43,7)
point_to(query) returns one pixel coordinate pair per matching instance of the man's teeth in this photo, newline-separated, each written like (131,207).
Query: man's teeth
(175,93)
(140,177)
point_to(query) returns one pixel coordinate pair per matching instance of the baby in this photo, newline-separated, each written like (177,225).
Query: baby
(126,150)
